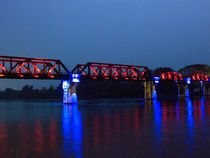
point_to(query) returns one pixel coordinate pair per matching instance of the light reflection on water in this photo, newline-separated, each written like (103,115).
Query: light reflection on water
(106,128)
(72,130)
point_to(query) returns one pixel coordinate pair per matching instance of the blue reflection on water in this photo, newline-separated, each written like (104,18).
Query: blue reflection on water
(202,108)
(158,119)
(72,131)
(187,92)
(190,121)
(154,94)
(177,112)
(189,112)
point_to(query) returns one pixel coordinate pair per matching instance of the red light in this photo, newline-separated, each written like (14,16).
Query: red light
(3,68)
(20,75)
(94,70)
(51,76)
(36,76)
(51,69)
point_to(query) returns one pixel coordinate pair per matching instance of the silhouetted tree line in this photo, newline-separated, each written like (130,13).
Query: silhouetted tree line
(161,70)
(28,92)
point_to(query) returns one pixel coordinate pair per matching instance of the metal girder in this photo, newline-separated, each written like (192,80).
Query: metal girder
(171,76)
(106,71)
(32,68)
(199,77)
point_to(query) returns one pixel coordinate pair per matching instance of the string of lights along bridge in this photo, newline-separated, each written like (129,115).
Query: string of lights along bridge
(51,69)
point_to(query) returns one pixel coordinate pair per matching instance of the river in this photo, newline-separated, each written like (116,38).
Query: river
(105,128)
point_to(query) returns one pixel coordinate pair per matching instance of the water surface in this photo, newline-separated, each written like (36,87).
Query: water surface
(105,128)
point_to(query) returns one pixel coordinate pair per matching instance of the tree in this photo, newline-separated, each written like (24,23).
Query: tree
(161,70)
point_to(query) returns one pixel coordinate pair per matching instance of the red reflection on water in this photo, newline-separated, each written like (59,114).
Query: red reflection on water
(207,107)
(107,124)
(164,116)
(197,108)
(22,126)
(177,113)
(38,136)
(96,131)
(164,111)
(117,121)
(53,133)
(182,106)
(136,119)
(4,150)
(127,118)
(171,113)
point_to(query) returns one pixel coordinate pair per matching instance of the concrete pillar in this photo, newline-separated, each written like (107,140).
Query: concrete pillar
(69,92)
(183,89)
(73,93)
(154,91)
(206,89)
(148,89)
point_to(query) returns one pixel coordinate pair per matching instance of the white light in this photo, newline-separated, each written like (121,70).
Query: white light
(66,85)
(156,79)
(188,80)
(75,78)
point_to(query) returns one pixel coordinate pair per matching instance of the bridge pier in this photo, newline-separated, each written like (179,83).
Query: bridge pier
(149,88)
(73,93)
(183,89)
(206,89)
(69,92)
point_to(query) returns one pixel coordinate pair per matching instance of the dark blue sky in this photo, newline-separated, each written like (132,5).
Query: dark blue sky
(154,33)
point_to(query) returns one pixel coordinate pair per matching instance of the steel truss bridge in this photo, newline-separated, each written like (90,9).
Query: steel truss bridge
(32,68)
(179,77)
(103,71)
(39,68)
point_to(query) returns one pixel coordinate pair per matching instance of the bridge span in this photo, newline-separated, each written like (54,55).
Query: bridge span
(51,69)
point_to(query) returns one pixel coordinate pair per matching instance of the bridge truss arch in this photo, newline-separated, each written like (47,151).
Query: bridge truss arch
(171,76)
(199,77)
(32,68)
(104,71)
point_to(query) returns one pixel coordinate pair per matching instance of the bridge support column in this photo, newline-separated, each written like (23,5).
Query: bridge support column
(73,93)
(148,89)
(183,89)
(206,89)
(69,92)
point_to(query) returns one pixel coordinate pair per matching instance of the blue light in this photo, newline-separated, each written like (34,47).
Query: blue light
(188,80)
(75,78)
(187,92)
(154,94)
(66,93)
(156,79)
(201,82)
(74,98)
(66,85)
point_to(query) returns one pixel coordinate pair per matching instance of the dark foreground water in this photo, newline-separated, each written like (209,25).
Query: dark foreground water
(105,129)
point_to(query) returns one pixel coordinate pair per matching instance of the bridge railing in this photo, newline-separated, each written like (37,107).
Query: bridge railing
(32,68)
